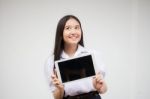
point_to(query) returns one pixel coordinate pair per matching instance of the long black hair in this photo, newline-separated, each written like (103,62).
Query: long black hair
(59,42)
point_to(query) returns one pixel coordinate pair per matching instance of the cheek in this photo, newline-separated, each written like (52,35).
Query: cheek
(80,34)
(64,36)
(65,33)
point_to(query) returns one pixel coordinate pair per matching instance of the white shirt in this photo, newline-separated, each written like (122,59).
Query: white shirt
(79,86)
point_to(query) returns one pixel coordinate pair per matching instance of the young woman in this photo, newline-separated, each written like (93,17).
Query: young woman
(69,44)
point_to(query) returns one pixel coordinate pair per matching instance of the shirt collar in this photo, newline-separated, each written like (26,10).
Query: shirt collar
(78,52)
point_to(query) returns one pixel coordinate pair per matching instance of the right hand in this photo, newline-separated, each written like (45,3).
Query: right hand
(59,92)
(56,82)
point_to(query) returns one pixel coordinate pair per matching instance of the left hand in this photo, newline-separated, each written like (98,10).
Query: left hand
(98,82)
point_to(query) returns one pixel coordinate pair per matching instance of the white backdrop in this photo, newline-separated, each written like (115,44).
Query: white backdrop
(119,28)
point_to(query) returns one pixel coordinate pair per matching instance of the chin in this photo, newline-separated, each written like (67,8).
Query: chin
(73,43)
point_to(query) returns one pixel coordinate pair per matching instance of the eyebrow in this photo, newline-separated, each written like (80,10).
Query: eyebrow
(71,26)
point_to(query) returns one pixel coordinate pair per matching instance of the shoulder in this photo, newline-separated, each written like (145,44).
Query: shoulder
(50,57)
(49,65)
(49,60)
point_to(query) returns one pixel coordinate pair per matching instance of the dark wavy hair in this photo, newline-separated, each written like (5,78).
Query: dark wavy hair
(59,42)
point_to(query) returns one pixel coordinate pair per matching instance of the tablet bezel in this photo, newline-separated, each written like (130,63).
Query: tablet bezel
(62,60)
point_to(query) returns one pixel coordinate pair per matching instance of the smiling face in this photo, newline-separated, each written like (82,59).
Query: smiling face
(72,32)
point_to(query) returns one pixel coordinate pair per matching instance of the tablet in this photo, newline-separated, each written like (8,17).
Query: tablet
(75,68)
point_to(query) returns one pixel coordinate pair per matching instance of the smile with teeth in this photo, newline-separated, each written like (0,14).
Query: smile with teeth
(73,36)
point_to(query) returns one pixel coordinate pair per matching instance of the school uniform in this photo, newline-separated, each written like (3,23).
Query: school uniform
(79,89)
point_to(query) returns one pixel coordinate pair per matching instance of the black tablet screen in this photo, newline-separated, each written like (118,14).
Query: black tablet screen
(76,68)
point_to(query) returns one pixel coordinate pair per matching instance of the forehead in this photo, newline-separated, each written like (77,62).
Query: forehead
(72,21)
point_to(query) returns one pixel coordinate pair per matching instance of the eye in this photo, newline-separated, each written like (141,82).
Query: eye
(77,27)
(67,28)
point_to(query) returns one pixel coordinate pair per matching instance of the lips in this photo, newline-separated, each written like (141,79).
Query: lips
(73,36)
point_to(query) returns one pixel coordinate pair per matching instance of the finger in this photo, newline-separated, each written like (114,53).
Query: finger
(60,86)
(101,82)
(99,77)
(56,83)
(55,80)
(53,76)
(98,74)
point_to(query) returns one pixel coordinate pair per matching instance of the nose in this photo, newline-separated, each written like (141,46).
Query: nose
(73,31)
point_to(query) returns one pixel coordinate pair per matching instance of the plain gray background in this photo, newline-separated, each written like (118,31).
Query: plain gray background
(119,28)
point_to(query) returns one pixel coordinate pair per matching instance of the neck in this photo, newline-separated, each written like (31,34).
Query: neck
(70,49)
